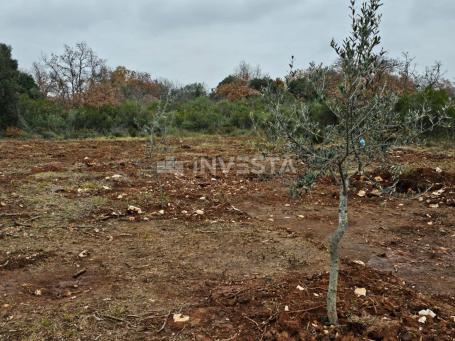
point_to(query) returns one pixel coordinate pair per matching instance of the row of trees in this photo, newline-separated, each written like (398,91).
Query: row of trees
(78,77)
(78,86)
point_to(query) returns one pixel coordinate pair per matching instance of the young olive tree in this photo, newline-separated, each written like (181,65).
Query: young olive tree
(366,122)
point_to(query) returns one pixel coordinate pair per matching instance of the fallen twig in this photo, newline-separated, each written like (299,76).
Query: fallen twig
(305,310)
(250,319)
(113,318)
(151,317)
(18,214)
(374,305)
(230,338)
(17,223)
(79,273)
(422,193)
(164,323)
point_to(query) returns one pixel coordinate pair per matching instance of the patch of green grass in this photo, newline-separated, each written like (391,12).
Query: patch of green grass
(61,175)
(41,197)
(91,185)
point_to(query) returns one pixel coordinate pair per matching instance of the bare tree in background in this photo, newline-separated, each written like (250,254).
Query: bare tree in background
(68,75)
(366,122)
(247,72)
(42,79)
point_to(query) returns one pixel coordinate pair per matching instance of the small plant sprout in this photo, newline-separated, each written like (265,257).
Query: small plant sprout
(157,130)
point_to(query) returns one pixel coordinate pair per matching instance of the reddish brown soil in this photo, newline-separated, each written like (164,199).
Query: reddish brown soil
(75,264)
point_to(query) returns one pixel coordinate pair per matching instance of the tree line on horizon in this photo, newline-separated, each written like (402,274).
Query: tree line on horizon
(75,94)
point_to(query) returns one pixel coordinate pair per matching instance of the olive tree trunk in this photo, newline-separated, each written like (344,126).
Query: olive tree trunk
(334,257)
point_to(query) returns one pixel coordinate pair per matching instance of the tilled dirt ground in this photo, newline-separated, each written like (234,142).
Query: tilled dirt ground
(232,252)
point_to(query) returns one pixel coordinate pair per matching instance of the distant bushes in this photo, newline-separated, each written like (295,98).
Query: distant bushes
(195,113)
(122,102)
(205,114)
(436,102)
(50,119)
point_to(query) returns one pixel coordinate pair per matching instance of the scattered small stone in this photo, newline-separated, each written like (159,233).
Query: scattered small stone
(438,192)
(378,179)
(422,319)
(301,216)
(434,206)
(161,212)
(361,193)
(199,212)
(438,170)
(286,308)
(427,312)
(83,254)
(360,292)
(181,318)
(134,209)
(375,192)
(359,262)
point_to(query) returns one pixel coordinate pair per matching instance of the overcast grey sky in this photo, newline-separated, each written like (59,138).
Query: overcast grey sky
(203,40)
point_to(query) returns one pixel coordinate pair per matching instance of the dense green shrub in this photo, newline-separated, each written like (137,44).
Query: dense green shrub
(48,118)
(192,110)
(207,115)
(434,100)
(303,89)
(228,80)
(42,116)
(189,92)
(322,114)
(260,84)
(199,114)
